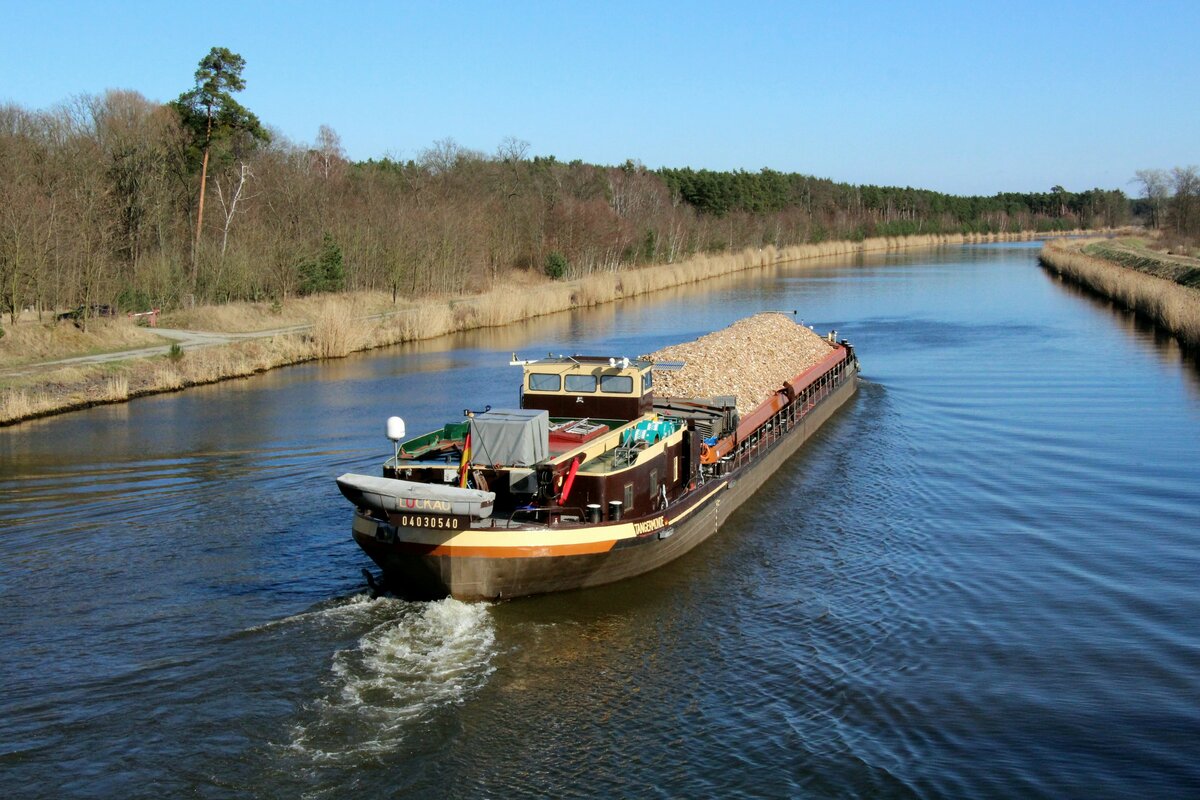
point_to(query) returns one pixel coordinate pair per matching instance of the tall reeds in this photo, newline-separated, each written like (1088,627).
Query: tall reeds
(1173,307)
(18,404)
(115,389)
(32,341)
(338,331)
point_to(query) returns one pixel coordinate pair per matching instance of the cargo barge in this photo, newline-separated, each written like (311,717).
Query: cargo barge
(593,479)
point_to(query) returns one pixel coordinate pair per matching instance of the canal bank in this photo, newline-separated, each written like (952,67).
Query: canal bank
(341,328)
(1169,304)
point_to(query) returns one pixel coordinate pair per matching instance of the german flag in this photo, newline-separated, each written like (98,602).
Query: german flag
(465,464)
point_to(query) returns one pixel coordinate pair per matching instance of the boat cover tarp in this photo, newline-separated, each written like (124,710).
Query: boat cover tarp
(513,438)
(391,494)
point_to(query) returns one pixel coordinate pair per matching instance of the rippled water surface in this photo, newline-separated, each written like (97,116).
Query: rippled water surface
(981,578)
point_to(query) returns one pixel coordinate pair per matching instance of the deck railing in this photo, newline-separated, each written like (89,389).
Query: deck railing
(787,418)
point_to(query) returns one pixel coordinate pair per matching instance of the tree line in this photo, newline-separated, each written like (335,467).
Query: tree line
(867,210)
(121,201)
(1171,200)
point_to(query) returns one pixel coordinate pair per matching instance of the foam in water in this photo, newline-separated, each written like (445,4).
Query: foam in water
(352,606)
(435,654)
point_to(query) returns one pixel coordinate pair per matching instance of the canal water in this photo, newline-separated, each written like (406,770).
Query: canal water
(980,579)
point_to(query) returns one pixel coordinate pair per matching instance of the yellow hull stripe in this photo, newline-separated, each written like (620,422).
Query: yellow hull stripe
(540,542)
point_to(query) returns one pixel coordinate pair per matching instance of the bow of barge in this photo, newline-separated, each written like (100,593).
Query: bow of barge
(595,478)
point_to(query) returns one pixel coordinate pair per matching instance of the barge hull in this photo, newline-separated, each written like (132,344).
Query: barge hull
(419,574)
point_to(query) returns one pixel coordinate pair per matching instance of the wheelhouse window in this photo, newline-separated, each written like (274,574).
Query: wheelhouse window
(647,381)
(581,383)
(616,384)
(544,382)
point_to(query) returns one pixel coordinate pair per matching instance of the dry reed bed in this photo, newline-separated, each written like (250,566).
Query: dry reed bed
(252,317)
(505,305)
(31,341)
(338,329)
(1173,307)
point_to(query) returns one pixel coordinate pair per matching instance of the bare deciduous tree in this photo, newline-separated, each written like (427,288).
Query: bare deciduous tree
(329,152)
(1155,187)
(229,195)
(1185,215)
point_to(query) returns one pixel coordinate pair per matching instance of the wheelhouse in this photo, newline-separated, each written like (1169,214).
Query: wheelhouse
(588,386)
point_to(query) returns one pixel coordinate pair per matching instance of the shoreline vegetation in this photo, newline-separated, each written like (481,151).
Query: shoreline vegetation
(1164,288)
(283,251)
(347,323)
(117,201)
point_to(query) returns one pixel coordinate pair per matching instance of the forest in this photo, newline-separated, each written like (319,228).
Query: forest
(117,201)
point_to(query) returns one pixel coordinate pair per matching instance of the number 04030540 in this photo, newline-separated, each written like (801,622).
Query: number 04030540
(431,521)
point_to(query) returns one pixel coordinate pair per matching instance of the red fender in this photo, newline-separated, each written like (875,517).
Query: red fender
(570,480)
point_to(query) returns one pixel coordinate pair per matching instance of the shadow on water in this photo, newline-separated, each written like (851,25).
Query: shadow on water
(1138,326)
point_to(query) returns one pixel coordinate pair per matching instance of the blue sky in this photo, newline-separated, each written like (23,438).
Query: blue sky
(969,97)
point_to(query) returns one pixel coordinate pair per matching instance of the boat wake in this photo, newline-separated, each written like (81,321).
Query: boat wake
(329,611)
(396,678)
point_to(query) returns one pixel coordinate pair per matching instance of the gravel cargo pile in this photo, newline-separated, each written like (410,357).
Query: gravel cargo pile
(750,359)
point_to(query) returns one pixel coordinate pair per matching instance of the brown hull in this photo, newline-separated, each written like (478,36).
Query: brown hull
(412,571)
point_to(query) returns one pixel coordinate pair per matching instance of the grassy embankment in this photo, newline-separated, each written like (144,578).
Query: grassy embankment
(343,324)
(1161,286)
